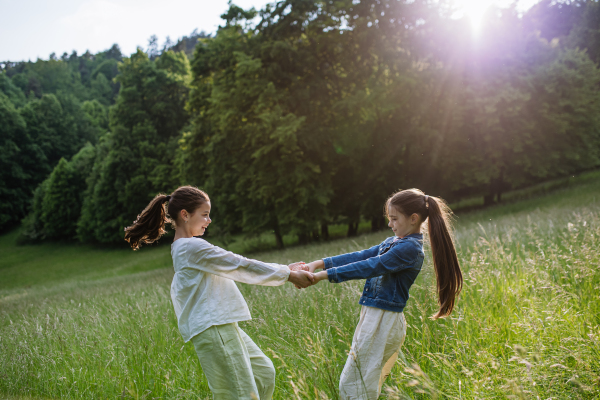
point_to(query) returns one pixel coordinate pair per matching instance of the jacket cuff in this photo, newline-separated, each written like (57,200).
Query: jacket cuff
(328,263)
(332,275)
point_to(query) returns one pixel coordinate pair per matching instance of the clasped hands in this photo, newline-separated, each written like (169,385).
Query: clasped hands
(303,275)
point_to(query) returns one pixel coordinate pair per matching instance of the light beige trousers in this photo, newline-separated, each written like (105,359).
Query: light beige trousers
(375,346)
(233,364)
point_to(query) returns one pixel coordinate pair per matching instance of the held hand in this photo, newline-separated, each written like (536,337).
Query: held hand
(315,265)
(301,279)
(319,276)
(298,266)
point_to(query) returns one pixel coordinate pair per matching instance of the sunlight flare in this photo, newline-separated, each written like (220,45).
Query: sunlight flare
(474,10)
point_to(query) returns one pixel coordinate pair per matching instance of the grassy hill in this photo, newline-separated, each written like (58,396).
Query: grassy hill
(87,322)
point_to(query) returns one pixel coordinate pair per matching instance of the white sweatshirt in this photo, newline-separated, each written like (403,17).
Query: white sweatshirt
(203,289)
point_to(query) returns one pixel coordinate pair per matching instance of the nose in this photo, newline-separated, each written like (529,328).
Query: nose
(390,224)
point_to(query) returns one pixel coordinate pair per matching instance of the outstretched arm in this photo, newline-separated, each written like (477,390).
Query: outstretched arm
(401,256)
(343,259)
(349,258)
(217,261)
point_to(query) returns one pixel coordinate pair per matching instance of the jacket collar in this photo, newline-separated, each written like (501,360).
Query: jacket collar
(413,235)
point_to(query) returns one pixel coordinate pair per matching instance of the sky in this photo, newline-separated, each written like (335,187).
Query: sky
(31,29)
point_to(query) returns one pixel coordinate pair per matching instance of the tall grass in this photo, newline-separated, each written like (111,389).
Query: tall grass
(527,324)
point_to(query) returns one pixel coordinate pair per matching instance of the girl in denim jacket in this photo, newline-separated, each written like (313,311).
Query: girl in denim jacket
(390,269)
(207,302)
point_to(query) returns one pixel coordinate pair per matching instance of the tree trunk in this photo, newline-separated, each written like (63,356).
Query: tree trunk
(496,187)
(352,228)
(315,235)
(277,232)
(302,238)
(500,185)
(488,199)
(324,231)
(377,224)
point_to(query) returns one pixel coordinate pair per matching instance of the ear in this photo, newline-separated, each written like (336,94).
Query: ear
(414,218)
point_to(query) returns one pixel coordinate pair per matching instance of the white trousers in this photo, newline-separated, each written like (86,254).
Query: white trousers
(375,346)
(236,369)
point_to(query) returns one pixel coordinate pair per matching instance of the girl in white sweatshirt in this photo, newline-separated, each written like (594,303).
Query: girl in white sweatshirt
(207,302)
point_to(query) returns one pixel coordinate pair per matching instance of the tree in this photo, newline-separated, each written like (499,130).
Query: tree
(554,19)
(12,91)
(61,203)
(153,51)
(96,114)
(586,32)
(54,130)
(101,89)
(257,148)
(134,159)
(522,113)
(22,163)
(57,201)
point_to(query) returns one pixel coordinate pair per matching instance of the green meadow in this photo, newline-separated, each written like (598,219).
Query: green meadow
(89,322)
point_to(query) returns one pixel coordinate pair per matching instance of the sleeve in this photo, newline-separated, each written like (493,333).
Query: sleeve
(217,261)
(348,258)
(398,257)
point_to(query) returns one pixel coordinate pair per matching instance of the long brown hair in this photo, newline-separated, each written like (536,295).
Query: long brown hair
(150,224)
(447,270)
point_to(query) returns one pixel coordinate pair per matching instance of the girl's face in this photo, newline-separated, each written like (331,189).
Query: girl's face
(401,224)
(198,221)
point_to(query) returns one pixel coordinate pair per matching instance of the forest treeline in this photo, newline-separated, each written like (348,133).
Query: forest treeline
(301,115)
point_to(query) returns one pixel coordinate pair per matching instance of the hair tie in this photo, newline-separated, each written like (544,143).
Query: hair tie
(168,198)
(426,201)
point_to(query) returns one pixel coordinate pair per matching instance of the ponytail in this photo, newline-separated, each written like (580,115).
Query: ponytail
(150,224)
(447,269)
(445,261)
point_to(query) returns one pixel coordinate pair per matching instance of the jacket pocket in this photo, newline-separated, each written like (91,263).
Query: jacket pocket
(375,286)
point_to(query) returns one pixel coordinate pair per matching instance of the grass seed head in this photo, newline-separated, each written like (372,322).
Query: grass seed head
(520,350)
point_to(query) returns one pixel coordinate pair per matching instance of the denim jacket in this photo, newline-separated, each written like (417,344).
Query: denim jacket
(390,269)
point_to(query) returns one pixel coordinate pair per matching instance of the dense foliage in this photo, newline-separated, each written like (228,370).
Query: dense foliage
(50,110)
(303,114)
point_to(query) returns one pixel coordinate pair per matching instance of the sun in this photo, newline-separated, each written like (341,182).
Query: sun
(474,10)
